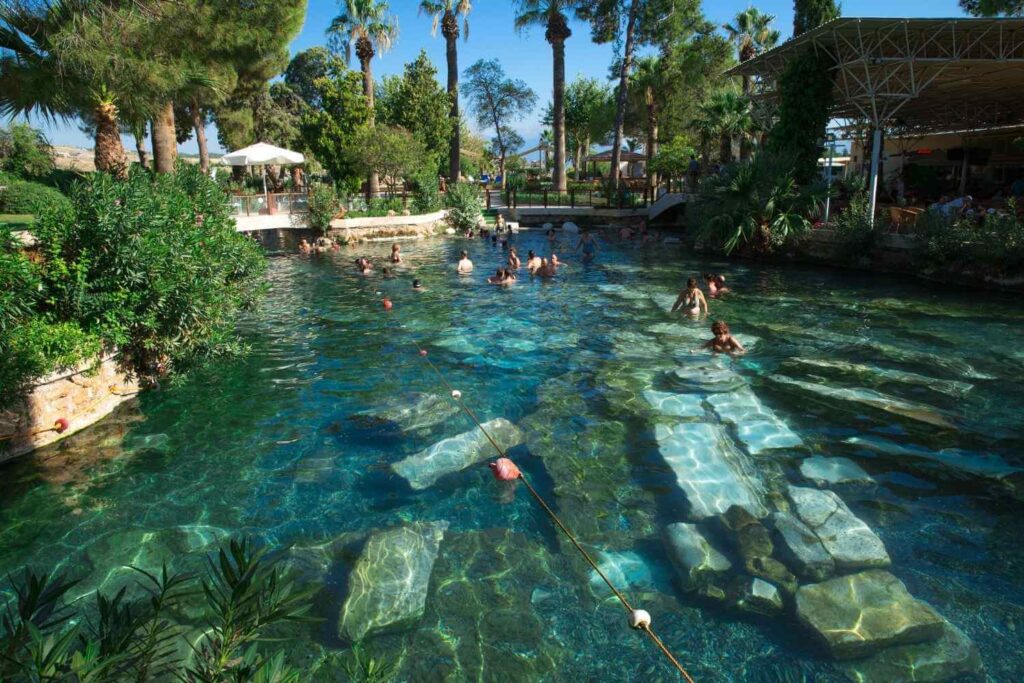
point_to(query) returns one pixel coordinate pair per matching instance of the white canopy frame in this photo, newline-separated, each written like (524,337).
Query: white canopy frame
(262,154)
(922,74)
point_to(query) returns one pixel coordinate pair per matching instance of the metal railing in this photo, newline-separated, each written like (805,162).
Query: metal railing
(270,204)
(628,197)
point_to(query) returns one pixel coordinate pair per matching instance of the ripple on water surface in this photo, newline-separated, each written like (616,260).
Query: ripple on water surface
(295,443)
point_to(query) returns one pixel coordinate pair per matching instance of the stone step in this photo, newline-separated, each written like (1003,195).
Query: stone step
(850,542)
(388,585)
(713,474)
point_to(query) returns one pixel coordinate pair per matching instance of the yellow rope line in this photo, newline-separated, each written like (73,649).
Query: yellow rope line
(457,396)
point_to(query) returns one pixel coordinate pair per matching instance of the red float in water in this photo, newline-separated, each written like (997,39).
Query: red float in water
(504,470)
(61,425)
(423,352)
(387,304)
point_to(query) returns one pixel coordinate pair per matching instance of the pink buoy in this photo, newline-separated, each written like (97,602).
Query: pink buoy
(423,352)
(386,302)
(61,425)
(505,470)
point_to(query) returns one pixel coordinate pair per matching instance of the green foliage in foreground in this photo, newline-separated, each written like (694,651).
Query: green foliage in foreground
(151,265)
(464,206)
(323,206)
(134,637)
(217,628)
(756,205)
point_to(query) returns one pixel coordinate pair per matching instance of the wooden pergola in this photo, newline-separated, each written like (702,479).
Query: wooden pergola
(925,75)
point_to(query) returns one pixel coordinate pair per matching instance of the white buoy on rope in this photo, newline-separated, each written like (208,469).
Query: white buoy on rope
(639,618)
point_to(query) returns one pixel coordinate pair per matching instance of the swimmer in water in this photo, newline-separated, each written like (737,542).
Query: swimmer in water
(513,259)
(417,286)
(497,278)
(532,262)
(396,253)
(589,245)
(465,266)
(546,269)
(555,263)
(723,342)
(716,284)
(363,265)
(691,300)
(305,247)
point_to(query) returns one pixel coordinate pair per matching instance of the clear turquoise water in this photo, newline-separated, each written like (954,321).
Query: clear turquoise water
(267,445)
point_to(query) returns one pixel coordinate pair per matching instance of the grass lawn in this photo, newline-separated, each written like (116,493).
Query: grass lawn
(17,218)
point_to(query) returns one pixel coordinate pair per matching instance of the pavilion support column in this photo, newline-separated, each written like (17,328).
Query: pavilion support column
(876,156)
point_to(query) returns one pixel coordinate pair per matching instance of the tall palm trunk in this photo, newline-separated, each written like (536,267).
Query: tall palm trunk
(557,33)
(450,29)
(652,141)
(139,133)
(725,149)
(620,105)
(109,154)
(165,148)
(364,50)
(200,129)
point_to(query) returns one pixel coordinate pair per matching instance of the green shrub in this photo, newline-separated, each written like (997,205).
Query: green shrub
(24,151)
(757,205)
(465,207)
(994,243)
(853,227)
(152,265)
(23,196)
(323,207)
(426,193)
(36,347)
(19,281)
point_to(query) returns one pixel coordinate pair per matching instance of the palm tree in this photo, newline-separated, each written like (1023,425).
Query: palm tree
(446,12)
(551,15)
(752,32)
(366,25)
(35,77)
(734,120)
(646,85)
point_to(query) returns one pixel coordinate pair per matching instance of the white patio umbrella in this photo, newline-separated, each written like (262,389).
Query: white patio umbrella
(262,154)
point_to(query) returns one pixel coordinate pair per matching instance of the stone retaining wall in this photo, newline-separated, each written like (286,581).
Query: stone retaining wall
(348,230)
(80,395)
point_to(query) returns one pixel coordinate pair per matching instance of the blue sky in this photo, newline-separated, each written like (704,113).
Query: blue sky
(526,56)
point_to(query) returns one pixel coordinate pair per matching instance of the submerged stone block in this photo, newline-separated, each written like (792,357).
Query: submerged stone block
(696,562)
(412,412)
(861,614)
(953,655)
(388,586)
(850,542)
(833,470)
(800,548)
(713,474)
(457,453)
(676,405)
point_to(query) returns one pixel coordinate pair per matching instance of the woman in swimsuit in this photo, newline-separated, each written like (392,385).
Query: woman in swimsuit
(396,255)
(723,342)
(691,300)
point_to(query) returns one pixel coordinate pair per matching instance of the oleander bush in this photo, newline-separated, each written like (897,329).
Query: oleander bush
(992,244)
(151,265)
(465,207)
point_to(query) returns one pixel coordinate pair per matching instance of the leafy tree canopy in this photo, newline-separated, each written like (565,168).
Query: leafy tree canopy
(331,131)
(417,102)
(393,152)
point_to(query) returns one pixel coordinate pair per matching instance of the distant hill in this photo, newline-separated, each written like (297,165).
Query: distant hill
(81,158)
